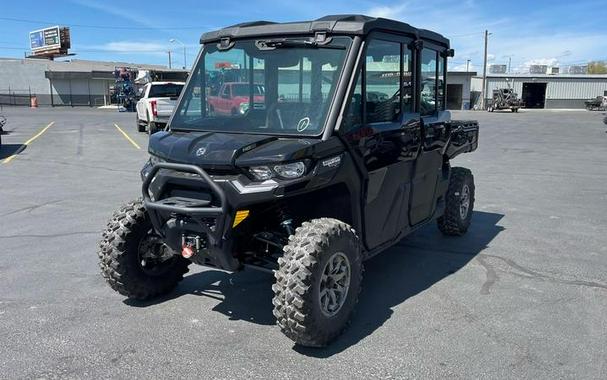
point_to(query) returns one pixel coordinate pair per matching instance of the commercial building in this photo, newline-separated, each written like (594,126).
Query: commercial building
(459,89)
(546,90)
(91,83)
(68,83)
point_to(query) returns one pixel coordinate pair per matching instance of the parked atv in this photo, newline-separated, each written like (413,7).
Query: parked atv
(344,155)
(505,99)
(597,104)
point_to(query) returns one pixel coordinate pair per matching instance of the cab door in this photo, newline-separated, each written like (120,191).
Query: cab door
(384,134)
(428,167)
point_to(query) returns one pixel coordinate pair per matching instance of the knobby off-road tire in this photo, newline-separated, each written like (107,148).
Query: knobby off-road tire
(459,203)
(120,260)
(302,275)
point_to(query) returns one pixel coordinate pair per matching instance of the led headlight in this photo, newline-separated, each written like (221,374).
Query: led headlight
(149,164)
(243,108)
(155,159)
(290,171)
(287,171)
(261,173)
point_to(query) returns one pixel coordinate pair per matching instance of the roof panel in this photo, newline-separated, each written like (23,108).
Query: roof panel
(337,24)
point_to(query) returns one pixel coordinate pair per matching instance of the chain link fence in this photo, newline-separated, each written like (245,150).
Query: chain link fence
(19,97)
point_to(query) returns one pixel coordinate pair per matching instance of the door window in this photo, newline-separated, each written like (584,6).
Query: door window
(353,116)
(440,84)
(407,77)
(428,94)
(382,81)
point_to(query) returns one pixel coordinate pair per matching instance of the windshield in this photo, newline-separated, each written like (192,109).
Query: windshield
(168,90)
(260,86)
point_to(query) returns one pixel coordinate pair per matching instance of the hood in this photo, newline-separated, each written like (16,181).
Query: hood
(219,150)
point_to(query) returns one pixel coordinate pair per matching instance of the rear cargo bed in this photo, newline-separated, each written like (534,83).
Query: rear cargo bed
(463,137)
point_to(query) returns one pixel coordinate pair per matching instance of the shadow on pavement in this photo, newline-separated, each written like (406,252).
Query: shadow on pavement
(7,150)
(403,271)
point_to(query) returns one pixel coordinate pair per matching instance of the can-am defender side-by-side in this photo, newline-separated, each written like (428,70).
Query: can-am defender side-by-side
(337,147)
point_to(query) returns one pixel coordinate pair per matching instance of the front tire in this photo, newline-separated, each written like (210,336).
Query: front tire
(318,282)
(132,261)
(459,203)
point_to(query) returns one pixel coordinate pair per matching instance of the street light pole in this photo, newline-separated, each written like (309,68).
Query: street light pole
(173,40)
(169,58)
(484,89)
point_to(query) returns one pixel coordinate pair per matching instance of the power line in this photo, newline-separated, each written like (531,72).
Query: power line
(466,34)
(102,26)
(96,50)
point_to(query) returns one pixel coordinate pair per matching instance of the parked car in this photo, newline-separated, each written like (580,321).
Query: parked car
(233,98)
(156,105)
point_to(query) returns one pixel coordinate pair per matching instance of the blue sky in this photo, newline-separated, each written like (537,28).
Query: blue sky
(548,32)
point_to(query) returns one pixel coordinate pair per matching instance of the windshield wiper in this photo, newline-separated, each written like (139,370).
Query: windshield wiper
(283,43)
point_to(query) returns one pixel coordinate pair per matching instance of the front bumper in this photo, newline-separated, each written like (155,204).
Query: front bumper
(198,223)
(190,205)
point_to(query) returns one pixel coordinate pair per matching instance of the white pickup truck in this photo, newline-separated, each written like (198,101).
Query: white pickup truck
(156,105)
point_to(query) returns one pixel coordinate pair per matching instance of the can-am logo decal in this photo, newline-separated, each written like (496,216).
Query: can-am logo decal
(303,124)
(201,151)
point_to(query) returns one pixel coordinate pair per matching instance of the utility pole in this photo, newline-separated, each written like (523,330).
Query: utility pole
(509,62)
(169,58)
(467,65)
(484,91)
(172,40)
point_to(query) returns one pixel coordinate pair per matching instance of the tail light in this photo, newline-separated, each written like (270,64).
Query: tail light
(154,108)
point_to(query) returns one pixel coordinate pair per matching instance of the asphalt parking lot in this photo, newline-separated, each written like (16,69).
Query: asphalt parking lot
(522,295)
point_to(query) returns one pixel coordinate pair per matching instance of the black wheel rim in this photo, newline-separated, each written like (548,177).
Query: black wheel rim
(153,257)
(464,202)
(334,284)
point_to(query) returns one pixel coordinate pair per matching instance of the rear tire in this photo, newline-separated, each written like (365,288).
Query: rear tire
(125,262)
(152,128)
(318,282)
(459,203)
(140,125)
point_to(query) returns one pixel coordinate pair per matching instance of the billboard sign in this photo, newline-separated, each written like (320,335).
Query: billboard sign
(498,69)
(538,69)
(45,39)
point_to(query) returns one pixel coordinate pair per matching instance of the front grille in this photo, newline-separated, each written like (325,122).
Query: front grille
(213,172)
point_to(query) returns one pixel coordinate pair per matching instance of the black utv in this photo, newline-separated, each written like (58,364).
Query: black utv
(331,145)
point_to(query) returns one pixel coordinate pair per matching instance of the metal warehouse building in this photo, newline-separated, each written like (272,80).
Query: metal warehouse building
(66,83)
(90,83)
(547,91)
(458,90)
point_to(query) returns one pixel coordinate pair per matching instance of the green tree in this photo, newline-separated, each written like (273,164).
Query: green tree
(597,67)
